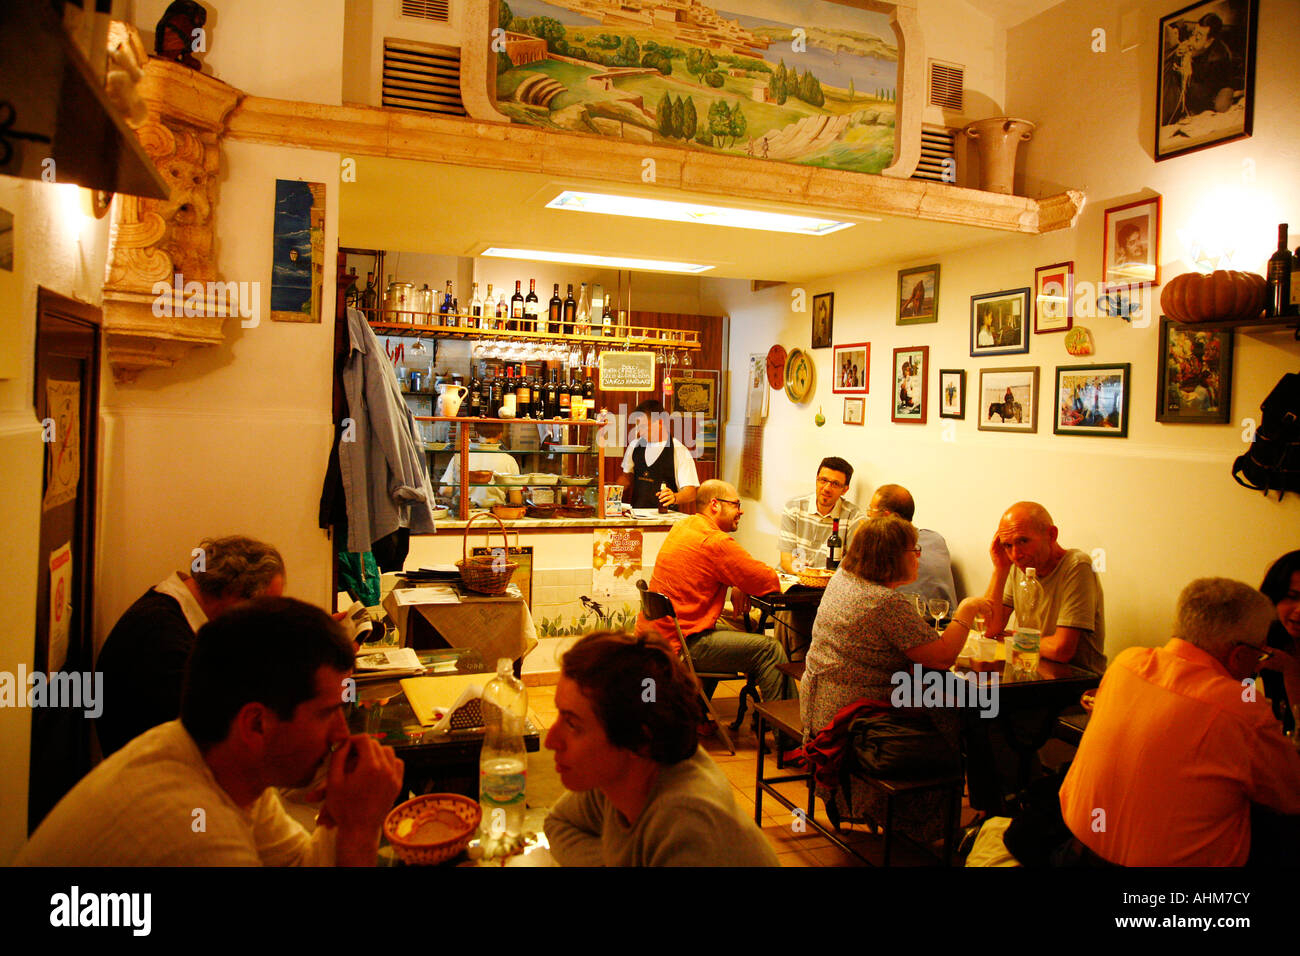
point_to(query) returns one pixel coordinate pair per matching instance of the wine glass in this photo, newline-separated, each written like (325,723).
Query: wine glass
(938,608)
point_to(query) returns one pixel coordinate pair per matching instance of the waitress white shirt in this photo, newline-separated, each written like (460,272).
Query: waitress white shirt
(683,463)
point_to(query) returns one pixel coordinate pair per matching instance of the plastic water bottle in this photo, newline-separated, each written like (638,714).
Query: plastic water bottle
(1031,605)
(503,764)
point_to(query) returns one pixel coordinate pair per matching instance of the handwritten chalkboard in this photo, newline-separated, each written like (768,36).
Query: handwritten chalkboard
(627,371)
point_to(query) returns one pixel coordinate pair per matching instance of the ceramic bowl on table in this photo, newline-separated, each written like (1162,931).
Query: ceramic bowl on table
(432,829)
(481,477)
(513,479)
(537,478)
(509,512)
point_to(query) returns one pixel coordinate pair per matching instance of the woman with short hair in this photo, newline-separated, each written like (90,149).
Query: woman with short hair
(865,633)
(642,792)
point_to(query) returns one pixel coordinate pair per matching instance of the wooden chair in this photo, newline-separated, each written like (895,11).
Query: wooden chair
(656,606)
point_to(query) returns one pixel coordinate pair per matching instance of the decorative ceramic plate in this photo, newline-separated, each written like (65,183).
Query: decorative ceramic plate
(800,375)
(776,366)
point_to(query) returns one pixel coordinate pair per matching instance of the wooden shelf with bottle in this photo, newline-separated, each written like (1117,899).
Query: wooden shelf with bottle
(431,324)
(460,446)
(1282,323)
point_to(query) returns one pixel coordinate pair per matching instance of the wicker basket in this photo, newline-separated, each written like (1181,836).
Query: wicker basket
(815,577)
(443,810)
(485,573)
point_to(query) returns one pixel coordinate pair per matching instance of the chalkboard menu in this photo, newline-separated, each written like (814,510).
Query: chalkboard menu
(627,371)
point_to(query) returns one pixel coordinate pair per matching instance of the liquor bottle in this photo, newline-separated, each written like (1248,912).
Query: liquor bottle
(589,392)
(565,399)
(570,312)
(369,296)
(476,306)
(498,393)
(539,395)
(447,308)
(475,399)
(834,546)
(531,307)
(517,307)
(488,306)
(607,320)
(576,409)
(485,394)
(584,312)
(524,397)
(553,396)
(503,311)
(1279,276)
(554,311)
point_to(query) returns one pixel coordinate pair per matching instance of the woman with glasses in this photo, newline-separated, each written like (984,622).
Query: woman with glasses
(1282,587)
(865,633)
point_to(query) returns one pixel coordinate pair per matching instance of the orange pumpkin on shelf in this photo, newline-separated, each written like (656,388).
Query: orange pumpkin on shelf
(1222,296)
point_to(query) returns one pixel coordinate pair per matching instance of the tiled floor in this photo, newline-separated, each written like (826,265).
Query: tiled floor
(793,848)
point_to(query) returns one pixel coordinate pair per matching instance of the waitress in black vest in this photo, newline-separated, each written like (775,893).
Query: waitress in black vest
(657,469)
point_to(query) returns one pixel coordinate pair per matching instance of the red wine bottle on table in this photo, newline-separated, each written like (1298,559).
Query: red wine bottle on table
(1279,276)
(834,546)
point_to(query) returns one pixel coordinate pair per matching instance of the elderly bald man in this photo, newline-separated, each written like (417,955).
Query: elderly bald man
(698,562)
(1074,625)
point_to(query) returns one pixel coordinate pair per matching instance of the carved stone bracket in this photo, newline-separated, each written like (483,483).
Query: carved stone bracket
(169,243)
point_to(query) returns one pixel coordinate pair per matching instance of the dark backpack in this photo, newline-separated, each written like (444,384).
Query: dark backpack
(1273,461)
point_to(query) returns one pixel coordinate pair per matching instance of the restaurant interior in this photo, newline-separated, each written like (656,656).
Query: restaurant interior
(199,426)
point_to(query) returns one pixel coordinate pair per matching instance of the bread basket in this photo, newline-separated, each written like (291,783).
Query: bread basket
(815,577)
(441,826)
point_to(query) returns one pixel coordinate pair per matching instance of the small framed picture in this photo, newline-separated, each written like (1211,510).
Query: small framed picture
(1131,245)
(695,392)
(1194,375)
(855,411)
(823,320)
(998,323)
(851,366)
(1206,80)
(911,369)
(918,295)
(1008,399)
(1092,400)
(1054,298)
(952,393)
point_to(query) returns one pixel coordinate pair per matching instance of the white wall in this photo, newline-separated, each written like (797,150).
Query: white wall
(1161,503)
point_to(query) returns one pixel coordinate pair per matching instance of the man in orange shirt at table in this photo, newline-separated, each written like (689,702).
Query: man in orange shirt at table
(1181,743)
(695,566)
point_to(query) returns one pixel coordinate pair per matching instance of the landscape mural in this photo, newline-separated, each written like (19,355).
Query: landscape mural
(685,73)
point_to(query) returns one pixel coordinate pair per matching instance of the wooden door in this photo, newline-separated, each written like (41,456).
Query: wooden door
(66,401)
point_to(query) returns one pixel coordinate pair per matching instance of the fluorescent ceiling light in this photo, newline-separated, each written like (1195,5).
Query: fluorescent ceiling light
(695,212)
(608,262)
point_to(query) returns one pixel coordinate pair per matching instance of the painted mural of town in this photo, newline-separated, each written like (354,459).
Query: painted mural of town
(681,72)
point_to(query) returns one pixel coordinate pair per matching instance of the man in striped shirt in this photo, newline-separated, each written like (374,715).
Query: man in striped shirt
(806,524)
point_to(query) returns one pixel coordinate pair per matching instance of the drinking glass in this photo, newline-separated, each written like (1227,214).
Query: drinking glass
(938,608)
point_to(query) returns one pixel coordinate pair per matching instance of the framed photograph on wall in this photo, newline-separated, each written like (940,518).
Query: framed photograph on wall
(1130,250)
(695,392)
(851,369)
(823,320)
(1054,298)
(1008,399)
(1206,80)
(998,323)
(1092,400)
(918,295)
(855,411)
(911,371)
(1193,375)
(952,393)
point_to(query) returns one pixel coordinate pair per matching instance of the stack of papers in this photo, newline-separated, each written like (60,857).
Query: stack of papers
(388,662)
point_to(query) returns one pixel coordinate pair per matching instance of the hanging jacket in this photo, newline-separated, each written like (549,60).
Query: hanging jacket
(385,478)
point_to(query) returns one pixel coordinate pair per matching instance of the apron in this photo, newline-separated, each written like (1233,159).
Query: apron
(646,479)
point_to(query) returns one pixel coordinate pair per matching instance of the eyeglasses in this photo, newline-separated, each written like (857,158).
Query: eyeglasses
(729,501)
(831,482)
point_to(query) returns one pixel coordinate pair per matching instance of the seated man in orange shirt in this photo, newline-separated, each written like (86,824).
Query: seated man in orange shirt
(1181,742)
(695,566)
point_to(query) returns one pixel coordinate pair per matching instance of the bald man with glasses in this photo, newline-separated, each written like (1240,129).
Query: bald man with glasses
(698,562)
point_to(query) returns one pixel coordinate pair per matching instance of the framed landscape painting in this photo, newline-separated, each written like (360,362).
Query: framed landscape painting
(1008,399)
(998,323)
(1092,400)
(911,370)
(1206,80)
(918,295)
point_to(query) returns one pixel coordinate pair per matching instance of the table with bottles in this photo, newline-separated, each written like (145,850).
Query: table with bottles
(436,761)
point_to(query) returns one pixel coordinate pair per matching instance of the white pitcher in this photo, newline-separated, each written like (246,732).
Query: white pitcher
(450,396)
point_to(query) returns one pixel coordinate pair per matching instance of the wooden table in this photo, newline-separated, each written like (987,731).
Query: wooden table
(793,597)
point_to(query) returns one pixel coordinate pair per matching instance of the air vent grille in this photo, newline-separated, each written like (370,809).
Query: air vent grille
(439,10)
(946,83)
(938,161)
(423,77)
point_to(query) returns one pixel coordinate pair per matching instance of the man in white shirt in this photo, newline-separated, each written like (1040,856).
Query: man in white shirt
(654,476)
(483,496)
(262,708)
(807,520)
